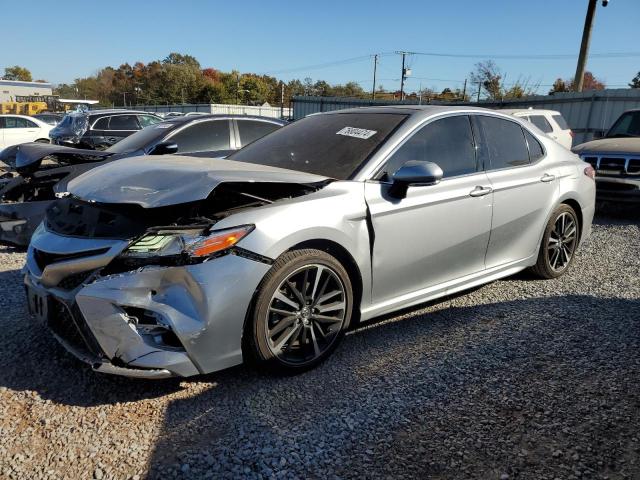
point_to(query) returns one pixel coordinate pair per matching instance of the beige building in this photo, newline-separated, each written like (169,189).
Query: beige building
(10,89)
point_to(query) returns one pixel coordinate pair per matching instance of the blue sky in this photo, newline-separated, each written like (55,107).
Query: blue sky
(274,36)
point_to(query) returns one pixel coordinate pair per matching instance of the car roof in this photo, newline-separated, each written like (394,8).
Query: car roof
(193,118)
(111,111)
(413,110)
(530,111)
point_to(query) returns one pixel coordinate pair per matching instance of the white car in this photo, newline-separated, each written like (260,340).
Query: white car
(550,122)
(17,129)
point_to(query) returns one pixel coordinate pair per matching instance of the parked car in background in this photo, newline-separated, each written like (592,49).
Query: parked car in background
(51,118)
(99,129)
(550,122)
(189,267)
(616,159)
(16,129)
(43,169)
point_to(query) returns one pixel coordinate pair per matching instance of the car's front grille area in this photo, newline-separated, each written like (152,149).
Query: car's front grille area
(73,281)
(68,324)
(43,259)
(614,165)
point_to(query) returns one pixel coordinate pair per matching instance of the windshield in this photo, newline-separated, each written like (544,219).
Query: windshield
(333,145)
(628,125)
(142,139)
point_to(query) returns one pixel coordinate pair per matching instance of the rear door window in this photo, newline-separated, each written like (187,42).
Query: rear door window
(251,130)
(503,144)
(16,122)
(447,142)
(541,122)
(124,122)
(102,124)
(203,136)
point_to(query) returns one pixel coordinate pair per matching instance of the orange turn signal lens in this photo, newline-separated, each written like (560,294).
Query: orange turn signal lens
(219,241)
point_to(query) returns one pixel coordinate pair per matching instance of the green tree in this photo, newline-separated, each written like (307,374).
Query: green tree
(17,73)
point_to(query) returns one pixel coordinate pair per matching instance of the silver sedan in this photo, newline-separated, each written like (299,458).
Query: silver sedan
(165,267)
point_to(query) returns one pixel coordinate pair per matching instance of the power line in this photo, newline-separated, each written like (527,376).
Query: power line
(530,56)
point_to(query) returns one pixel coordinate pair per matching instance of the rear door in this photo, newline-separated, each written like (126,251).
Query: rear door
(439,232)
(251,130)
(524,188)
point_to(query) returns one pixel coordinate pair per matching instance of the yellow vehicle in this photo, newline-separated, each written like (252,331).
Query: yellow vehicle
(23,108)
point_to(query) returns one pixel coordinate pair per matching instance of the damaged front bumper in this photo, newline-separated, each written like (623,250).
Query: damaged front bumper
(154,322)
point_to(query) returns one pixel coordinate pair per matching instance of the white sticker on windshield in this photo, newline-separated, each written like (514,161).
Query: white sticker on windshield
(357,132)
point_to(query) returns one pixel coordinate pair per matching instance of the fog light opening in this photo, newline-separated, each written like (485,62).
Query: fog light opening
(152,329)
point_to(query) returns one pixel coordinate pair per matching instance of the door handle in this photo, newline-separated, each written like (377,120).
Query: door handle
(547,178)
(480,191)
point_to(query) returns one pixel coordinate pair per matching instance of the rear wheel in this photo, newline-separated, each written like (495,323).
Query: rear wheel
(559,243)
(302,310)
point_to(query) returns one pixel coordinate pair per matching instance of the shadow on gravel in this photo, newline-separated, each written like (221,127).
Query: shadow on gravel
(608,213)
(544,386)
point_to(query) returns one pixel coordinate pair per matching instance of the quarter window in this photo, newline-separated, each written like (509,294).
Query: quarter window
(541,122)
(447,142)
(203,136)
(124,122)
(251,130)
(146,120)
(502,142)
(535,149)
(562,123)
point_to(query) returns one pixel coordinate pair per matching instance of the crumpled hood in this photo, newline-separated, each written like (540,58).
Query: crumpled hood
(153,181)
(609,145)
(29,156)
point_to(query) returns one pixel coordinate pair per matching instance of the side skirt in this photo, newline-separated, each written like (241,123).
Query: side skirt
(446,288)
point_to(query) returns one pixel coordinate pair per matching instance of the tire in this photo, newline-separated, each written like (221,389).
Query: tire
(301,310)
(559,243)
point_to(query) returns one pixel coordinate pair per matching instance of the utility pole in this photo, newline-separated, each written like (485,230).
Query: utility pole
(375,68)
(281,99)
(237,86)
(584,46)
(479,87)
(405,73)
(464,90)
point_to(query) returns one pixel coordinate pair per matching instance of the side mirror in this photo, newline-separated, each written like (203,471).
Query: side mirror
(414,172)
(164,148)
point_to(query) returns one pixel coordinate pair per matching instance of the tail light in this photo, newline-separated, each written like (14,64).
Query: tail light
(573,135)
(590,172)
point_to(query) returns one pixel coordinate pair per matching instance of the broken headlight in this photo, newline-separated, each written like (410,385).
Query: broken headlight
(193,243)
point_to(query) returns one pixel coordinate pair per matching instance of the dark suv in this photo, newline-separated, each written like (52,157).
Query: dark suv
(99,129)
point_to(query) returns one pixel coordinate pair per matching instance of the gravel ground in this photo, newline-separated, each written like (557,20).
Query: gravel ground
(517,379)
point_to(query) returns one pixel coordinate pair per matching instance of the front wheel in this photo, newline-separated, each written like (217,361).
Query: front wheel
(301,312)
(559,243)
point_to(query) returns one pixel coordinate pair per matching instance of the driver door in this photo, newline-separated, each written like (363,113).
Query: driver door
(439,232)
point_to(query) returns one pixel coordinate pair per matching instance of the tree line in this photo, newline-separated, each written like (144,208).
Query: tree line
(180,78)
